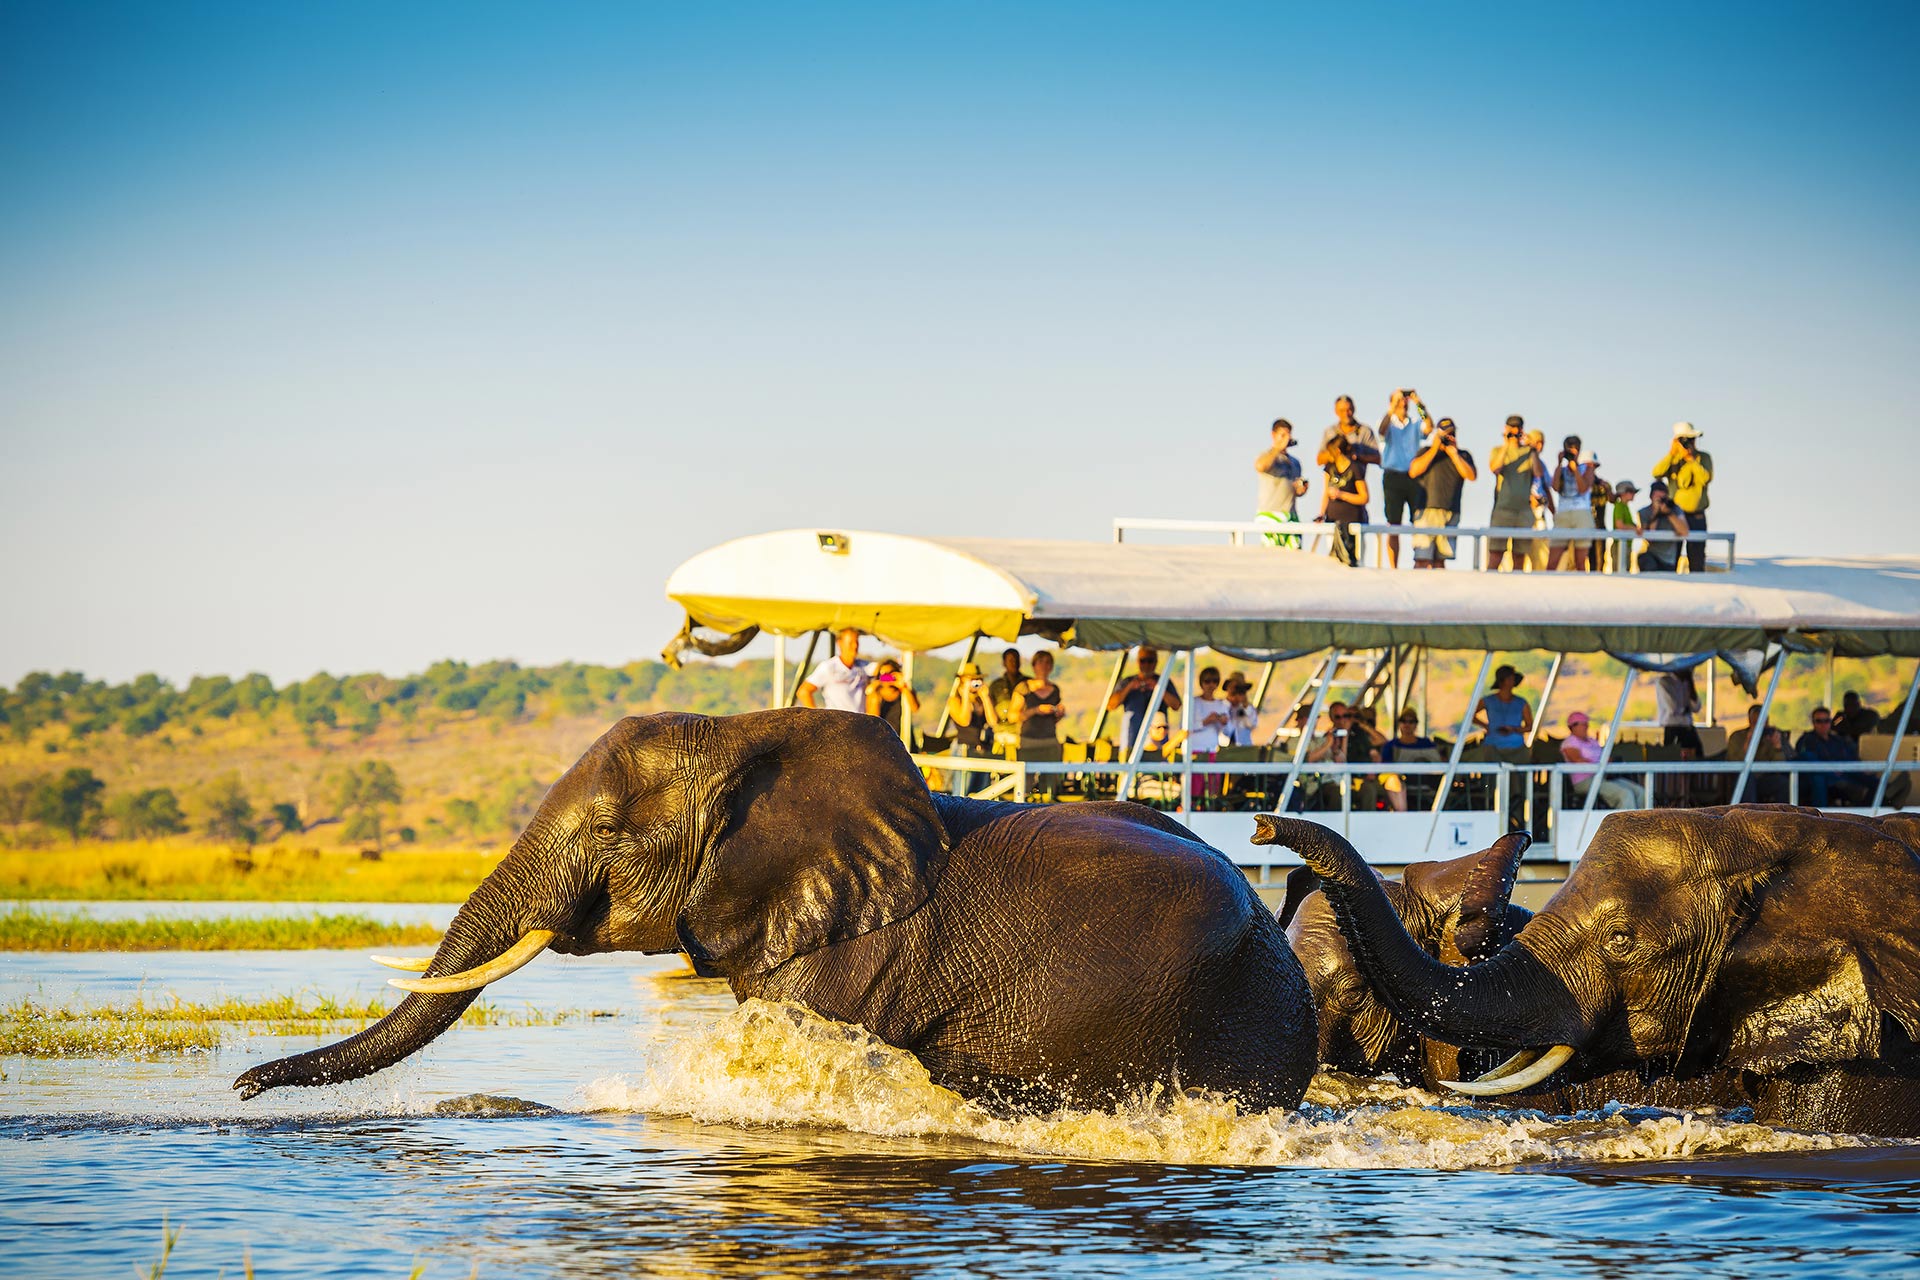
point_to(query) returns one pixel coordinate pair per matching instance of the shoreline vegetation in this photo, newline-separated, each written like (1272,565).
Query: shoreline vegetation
(31,1028)
(24,929)
(150,870)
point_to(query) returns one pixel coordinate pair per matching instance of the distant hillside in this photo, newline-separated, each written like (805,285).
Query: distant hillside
(469,750)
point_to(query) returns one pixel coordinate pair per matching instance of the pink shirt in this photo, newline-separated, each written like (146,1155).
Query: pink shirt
(1585,749)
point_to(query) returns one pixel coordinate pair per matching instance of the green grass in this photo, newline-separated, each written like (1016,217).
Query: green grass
(24,929)
(148,1029)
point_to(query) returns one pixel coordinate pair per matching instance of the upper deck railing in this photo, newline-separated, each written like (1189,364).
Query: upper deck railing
(1318,537)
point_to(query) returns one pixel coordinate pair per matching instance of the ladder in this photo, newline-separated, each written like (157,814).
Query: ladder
(1365,674)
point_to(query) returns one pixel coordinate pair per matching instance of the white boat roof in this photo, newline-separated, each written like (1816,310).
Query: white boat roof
(924,593)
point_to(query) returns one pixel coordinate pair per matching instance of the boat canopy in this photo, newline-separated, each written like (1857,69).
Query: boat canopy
(925,593)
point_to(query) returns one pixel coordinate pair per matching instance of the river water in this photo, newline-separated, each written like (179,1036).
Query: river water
(694,1137)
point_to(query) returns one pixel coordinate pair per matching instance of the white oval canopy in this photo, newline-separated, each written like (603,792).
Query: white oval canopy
(923,593)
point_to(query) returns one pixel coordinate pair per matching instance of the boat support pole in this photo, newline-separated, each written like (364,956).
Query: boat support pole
(1759,728)
(1899,733)
(1546,693)
(1144,729)
(779,667)
(800,672)
(1100,708)
(1306,732)
(1600,766)
(1186,742)
(1459,744)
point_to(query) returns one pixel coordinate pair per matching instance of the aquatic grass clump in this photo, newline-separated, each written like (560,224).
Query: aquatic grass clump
(146,1029)
(133,869)
(24,929)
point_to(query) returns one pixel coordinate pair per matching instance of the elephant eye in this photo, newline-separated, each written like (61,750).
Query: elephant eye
(604,830)
(1620,941)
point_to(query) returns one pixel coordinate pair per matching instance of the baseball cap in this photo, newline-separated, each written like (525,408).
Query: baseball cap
(1659,486)
(1684,431)
(1589,457)
(1626,486)
(1576,717)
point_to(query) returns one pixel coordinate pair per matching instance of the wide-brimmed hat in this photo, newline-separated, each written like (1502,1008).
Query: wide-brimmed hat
(1626,486)
(967,669)
(1508,669)
(1685,431)
(1589,457)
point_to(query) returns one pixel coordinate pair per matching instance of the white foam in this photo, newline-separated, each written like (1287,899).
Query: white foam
(776,1064)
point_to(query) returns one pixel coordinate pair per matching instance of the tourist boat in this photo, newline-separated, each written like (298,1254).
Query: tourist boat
(1373,630)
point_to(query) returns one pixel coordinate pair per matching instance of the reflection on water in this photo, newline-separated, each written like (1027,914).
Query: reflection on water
(703,1140)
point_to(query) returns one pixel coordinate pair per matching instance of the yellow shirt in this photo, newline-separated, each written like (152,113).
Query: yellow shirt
(1687,479)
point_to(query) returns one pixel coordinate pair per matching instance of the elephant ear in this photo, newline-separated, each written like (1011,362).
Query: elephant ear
(1823,951)
(1301,882)
(823,831)
(1468,897)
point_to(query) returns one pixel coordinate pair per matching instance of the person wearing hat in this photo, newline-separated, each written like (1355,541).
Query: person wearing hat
(970,711)
(1505,715)
(1242,718)
(1515,467)
(1661,516)
(1573,509)
(1620,520)
(1689,471)
(1581,747)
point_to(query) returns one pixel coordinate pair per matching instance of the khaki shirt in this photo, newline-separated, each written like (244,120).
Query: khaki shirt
(1687,479)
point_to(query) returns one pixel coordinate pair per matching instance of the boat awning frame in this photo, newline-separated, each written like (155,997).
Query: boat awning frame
(926,593)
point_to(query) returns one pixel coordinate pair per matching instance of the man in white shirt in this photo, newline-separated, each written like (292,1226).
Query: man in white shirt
(839,683)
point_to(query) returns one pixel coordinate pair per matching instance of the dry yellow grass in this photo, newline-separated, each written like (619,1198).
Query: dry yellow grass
(277,873)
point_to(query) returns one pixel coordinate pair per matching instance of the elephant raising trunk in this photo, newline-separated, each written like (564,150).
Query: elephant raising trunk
(486,941)
(1512,1000)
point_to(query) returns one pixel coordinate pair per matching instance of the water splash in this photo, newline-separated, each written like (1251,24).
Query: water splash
(777,1064)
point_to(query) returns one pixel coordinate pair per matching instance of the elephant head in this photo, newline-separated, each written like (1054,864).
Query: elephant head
(1457,911)
(742,841)
(1753,937)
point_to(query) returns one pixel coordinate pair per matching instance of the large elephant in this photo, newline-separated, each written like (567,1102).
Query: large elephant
(1034,953)
(1458,911)
(1763,956)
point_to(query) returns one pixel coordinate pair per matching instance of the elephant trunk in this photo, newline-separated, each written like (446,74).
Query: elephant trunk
(1510,1001)
(487,927)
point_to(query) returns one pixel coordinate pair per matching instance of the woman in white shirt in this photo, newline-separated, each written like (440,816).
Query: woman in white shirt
(1210,722)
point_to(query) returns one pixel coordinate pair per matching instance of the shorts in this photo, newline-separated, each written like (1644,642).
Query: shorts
(1579,517)
(1404,495)
(1433,548)
(1517,548)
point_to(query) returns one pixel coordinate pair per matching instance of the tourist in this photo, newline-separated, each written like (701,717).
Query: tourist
(1676,700)
(1280,485)
(886,692)
(1689,471)
(1362,443)
(1134,693)
(1581,747)
(1340,744)
(1762,788)
(1442,468)
(1209,722)
(1515,467)
(970,712)
(1622,520)
(1821,743)
(1407,746)
(1345,498)
(1539,504)
(1506,716)
(1243,720)
(840,682)
(1855,719)
(1660,516)
(1039,709)
(1011,677)
(1573,504)
(1402,434)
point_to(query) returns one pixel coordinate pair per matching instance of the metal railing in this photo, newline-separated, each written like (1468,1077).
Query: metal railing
(1318,538)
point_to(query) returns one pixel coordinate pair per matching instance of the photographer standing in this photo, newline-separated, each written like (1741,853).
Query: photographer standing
(970,711)
(1515,466)
(1402,433)
(1660,516)
(1573,504)
(1689,472)
(1442,468)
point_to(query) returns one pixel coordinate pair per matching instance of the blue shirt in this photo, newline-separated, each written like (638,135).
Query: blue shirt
(1400,441)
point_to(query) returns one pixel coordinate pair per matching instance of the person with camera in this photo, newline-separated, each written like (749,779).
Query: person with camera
(1362,443)
(1402,433)
(1342,743)
(1661,516)
(886,693)
(1280,485)
(1516,466)
(1130,699)
(1689,472)
(970,712)
(1442,468)
(1344,499)
(1762,788)
(1573,503)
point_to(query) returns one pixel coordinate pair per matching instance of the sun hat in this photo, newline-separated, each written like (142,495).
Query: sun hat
(1508,669)
(1577,717)
(967,669)
(1626,486)
(1685,431)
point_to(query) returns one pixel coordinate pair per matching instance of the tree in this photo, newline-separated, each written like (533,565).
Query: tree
(230,812)
(365,794)
(143,815)
(70,802)
(286,817)
(16,801)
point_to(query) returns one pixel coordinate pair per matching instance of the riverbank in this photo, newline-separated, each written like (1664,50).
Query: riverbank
(132,870)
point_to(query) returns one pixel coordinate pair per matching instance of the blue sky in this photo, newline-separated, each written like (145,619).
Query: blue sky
(358,338)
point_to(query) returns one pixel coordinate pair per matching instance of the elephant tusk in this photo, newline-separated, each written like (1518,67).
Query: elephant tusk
(1524,1058)
(406,964)
(1525,1077)
(518,956)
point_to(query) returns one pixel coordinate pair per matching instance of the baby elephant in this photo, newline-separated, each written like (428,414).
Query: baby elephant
(1042,954)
